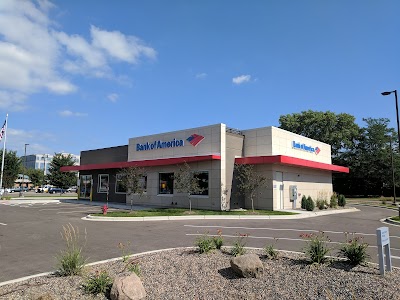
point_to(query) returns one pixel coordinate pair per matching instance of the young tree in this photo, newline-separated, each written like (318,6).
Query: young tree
(58,178)
(187,182)
(12,165)
(36,176)
(132,180)
(249,181)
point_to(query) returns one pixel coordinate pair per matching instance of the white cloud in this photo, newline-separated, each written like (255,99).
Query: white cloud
(241,79)
(17,138)
(68,113)
(35,52)
(201,75)
(113,97)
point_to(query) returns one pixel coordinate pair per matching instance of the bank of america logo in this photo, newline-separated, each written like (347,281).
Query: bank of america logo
(317,150)
(195,139)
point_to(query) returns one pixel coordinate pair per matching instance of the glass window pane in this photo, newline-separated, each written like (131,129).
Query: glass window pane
(166,183)
(202,178)
(103,183)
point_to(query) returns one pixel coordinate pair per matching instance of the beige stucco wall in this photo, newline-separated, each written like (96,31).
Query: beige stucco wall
(213,143)
(275,141)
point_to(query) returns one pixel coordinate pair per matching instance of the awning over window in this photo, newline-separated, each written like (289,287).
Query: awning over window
(290,161)
(142,163)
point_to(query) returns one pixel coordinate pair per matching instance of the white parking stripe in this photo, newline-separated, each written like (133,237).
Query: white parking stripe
(284,229)
(275,238)
(3,224)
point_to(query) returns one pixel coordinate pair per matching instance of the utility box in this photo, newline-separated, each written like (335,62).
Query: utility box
(293,193)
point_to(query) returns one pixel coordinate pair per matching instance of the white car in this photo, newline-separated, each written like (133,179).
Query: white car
(6,190)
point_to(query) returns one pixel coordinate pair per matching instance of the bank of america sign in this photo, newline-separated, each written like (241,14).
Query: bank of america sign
(304,147)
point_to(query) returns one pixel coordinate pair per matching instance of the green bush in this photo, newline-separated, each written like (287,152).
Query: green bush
(354,250)
(309,204)
(316,248)
(134,267)
(270,252)
(205,243)
(303,202)
(218,240)
(98,283)
(334,201)
(342,200)
(320,204)
(71,260)
(238,246)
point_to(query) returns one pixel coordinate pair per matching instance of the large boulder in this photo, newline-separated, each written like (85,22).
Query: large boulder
(248,265)
(127,288)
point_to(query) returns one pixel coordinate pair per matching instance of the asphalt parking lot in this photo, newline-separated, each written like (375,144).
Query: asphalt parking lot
(30,236)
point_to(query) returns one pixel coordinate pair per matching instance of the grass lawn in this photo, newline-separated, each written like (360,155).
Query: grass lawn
(184,212)
(396,218)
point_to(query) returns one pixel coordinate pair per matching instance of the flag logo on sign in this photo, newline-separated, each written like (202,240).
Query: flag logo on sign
(195,139)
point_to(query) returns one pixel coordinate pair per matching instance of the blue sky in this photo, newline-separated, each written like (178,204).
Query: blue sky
(80,75)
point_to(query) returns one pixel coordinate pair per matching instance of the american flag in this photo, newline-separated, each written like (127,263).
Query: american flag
(3,130)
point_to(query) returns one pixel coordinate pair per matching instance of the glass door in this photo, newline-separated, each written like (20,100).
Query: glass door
(85,187)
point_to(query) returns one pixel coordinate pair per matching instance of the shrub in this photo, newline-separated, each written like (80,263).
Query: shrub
(218,240)
(320,204)
(310,204)
(316,248)
(71,260)
(238,245)
(354,250)
(270,252)
(205,243)
(334,201)
(98,283)
(342,200)
(303,202)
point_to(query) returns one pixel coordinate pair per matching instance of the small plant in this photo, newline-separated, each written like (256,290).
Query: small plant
(342,200)
(320,204)
(383,201)
(124,251)
(205,243)
(303,202)
(239,244)
(133,266)
(316,248)
(98,283)
(218,240)
(334,201)
(71,260)
(104,209)
(355,250)
(270,251)
(309,204)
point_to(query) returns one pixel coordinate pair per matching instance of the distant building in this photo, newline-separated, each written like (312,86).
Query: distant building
(42,161)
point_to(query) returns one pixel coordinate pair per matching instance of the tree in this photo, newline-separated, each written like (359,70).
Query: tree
(132,179)
(249,181)
(36,176)
(12,165)
(187,182)
(58,178)
(338,130)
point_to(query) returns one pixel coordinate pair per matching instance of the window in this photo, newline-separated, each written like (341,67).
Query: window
(103,183)
(143,183)
(166,183)
(119,186)
(202,178)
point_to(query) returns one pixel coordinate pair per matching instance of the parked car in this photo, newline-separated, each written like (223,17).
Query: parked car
(72,189)
(18,189)
(54,190)
(6,190)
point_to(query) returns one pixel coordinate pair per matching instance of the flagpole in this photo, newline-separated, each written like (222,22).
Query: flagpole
(4,152)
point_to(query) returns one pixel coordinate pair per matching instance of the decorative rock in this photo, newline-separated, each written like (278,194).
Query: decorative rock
(46,296)
(127,288)
(248,265)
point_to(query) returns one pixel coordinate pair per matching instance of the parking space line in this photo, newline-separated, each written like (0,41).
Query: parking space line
(285,229)
(3,224)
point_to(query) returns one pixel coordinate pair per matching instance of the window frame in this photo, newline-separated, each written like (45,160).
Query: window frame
(100,189)
(159,184)
(116,184)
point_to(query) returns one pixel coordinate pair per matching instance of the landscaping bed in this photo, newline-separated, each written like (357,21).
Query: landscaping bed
(186,274)
(184,212)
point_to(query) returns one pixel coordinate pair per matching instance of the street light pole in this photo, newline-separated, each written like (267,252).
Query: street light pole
(397,114)
(21,194)
(394,182)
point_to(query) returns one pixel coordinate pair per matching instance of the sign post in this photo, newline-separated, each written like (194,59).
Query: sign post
(382,234)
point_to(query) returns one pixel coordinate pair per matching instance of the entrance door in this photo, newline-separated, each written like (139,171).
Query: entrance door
(85,187)
(279,182)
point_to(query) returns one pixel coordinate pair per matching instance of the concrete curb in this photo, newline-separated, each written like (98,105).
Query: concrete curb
(220,217)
